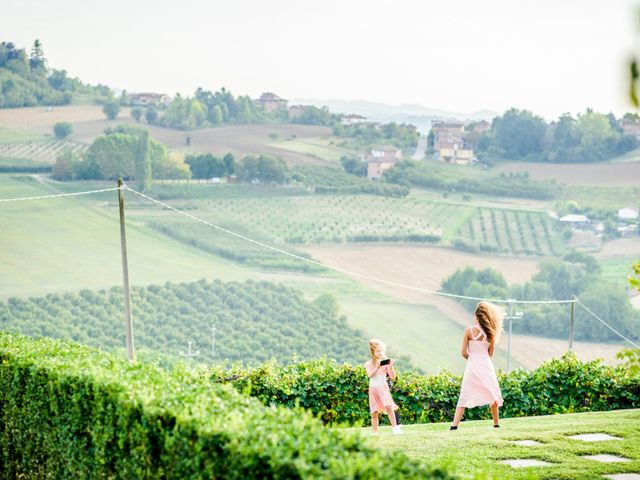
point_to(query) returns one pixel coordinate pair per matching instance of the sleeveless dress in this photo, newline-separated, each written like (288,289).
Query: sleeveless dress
(379,393)
(479,383)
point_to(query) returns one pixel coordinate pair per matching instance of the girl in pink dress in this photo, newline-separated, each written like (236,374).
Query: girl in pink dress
(380,399)
(479,383)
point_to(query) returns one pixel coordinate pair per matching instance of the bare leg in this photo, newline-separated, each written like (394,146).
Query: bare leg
(392,416)
(374,422)
(494,414)
(458,416)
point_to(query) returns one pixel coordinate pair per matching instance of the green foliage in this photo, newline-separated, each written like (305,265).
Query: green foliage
(522,136)
(634,280)
(254,321)
(151,115)
(577,274)
(262,169)
(142,162)
(68,411)
(207,165)
(136,113)
(424,175)
(185,114)
(111,109)
(62,130)
(354,165)
(632,359)
(338,393)
(366,134)
(315,116)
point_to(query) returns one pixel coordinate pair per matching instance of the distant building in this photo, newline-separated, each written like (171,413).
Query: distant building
(630,127)
(352,119)
(627,230)
(628,213)
(144,99)
(450,144)
(296,111)
(481,127)
(271,102)
(575,220)
(380,159)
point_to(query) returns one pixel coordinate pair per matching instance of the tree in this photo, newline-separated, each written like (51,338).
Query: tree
(62,130)
(111,109)
(216,115)
(229,163)
(36,58)
(151,115)
(354,165)
(136,113)
(142,162)
(519,133)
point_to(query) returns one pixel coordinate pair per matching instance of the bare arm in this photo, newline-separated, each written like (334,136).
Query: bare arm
(372,368)
(465,345)
(391,371)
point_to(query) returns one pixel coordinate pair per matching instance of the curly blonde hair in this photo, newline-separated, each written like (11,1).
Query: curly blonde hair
(375,343)
(490,319)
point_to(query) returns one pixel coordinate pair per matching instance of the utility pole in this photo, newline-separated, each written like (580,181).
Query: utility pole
(572,322)
(511,316)
(189,352)
(213,341)
(125,277)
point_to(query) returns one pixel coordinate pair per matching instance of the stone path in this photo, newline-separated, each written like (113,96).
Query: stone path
(584,437)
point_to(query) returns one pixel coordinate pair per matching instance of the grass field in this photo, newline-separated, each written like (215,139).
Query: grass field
(476,449)
(604,198)
(7,135)
(318,147)
(590,174)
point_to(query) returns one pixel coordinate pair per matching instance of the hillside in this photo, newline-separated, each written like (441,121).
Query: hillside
(253,322)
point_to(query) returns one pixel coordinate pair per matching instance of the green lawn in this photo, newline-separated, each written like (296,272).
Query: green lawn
(616,270)
(475,449)
(602,198)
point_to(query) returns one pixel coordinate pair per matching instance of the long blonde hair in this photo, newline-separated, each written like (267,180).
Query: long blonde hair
(489,317)
(375,343)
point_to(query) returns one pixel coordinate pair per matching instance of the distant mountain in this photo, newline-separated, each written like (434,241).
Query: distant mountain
(418,115)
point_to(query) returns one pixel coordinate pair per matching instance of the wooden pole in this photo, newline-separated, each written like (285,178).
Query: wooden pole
(572,323)
(125,278)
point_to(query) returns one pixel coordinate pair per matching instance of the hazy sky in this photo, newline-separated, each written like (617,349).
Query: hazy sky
(549,56)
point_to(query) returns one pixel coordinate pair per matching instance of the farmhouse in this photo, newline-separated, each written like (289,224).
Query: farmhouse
(352,119)
(450,144)
(630,127)
(628,213)
(144,99)
(381,159)
(296,111)
(575,220)
(270,102)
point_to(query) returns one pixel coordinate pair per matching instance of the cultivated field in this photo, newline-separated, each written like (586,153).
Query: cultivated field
(44,152)
(609,174)
(89,122)
(317,147)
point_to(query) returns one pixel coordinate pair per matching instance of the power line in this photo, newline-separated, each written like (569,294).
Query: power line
(338,269)
(606,324)
(44,197)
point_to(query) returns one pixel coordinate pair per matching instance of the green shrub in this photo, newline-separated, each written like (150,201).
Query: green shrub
(338,393)
(68,411)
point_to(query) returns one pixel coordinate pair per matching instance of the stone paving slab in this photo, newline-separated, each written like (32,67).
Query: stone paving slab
(526,443)
(606,458)
(624,476)
(525,462)
(594,437)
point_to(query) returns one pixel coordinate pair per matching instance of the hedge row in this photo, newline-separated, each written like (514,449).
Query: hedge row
(69,411)
(338,393)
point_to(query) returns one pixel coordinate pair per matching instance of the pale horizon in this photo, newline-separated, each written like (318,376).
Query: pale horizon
(462,57)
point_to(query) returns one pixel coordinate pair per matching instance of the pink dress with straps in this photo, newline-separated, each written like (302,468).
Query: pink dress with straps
(479,383)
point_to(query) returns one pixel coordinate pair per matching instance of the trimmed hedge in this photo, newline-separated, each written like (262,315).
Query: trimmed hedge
(338,393)
(70,411)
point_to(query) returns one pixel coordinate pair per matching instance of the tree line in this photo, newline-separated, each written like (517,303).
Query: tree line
(520,135)
(575,274)
(26,80)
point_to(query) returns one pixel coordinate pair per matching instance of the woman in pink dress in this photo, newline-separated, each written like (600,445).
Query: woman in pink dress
(479,383)
(380,399)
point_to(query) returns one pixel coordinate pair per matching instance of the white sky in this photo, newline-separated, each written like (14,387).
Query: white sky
(549,56)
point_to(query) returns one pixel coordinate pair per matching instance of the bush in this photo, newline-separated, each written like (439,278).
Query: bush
(338,393)
(62,130)
(69,411)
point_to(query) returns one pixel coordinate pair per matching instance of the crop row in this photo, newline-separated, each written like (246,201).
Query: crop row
(40,151)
